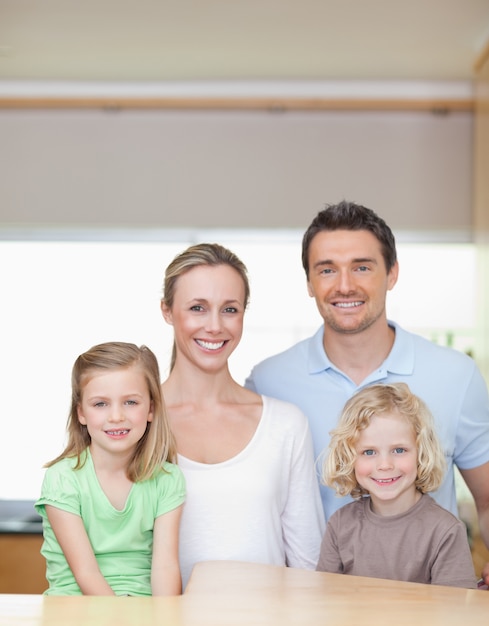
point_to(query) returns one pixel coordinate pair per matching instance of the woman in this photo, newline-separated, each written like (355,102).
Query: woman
(252,491)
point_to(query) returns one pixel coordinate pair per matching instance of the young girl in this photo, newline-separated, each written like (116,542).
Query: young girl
(252,489)
(111,501)
(384,452)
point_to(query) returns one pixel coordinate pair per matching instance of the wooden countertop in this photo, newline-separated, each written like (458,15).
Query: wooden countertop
(237,594)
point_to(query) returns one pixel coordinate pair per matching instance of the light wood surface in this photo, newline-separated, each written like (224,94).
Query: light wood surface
(235,594)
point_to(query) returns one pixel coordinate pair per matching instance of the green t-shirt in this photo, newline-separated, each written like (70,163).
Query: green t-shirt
(122,540)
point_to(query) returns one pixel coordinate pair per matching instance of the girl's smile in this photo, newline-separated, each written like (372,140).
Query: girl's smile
(117,433)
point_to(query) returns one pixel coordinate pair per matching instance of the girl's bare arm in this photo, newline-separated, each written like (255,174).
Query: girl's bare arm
(165,569)
(73,540)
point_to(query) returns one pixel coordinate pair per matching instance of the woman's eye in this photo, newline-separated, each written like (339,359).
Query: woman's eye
(196,307)
(131,402)
(230,309)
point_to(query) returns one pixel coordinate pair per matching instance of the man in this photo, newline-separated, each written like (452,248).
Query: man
(349,256)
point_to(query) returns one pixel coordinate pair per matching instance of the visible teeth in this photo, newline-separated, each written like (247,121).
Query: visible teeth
(348,305)
(208,345)
(385,480)
(117,432)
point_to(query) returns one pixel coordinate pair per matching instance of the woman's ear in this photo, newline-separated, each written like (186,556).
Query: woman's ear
(166,312)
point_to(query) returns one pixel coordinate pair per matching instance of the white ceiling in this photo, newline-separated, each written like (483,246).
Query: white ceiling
(193,40)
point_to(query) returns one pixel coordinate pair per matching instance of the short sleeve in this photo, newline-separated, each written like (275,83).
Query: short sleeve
(59,489)
(472,445)
(171,489)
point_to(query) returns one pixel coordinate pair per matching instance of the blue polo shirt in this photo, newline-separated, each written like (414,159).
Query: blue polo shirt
(448,381)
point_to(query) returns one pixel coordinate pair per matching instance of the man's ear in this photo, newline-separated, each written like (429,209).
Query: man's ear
(166,312)
(393,276)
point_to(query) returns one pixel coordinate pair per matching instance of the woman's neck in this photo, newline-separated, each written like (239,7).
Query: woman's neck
(205,386)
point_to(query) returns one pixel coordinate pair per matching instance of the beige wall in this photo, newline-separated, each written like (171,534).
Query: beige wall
(234,169)
(481,207)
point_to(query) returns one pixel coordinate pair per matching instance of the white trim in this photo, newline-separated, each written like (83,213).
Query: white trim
(298,89)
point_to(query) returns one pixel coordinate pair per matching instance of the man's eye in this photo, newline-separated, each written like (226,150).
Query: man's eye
(362,268)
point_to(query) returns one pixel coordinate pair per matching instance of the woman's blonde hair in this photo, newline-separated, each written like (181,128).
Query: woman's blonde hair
(157,444)
(198,255)
(377,400)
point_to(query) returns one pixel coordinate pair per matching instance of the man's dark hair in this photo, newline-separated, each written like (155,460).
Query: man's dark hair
(350,216)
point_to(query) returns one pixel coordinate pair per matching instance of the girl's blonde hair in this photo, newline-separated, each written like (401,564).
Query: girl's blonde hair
(377,400)
(202,254)
(157,444)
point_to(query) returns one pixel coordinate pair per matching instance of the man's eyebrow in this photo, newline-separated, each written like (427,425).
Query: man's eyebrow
(356,260)
(365,260)
(325,262)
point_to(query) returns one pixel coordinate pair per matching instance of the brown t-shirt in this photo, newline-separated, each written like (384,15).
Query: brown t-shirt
(426,544)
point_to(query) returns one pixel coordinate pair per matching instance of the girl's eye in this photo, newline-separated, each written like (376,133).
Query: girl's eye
(131,402)
(399,450)
(99,404)
(368,452)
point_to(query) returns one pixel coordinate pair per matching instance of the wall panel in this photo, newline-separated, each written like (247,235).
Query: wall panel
(233,169)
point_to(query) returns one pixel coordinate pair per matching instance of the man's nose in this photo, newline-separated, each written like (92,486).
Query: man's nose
(345,282)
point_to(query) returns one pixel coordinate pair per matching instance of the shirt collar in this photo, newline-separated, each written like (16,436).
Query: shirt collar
(317,360)
(400,359)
